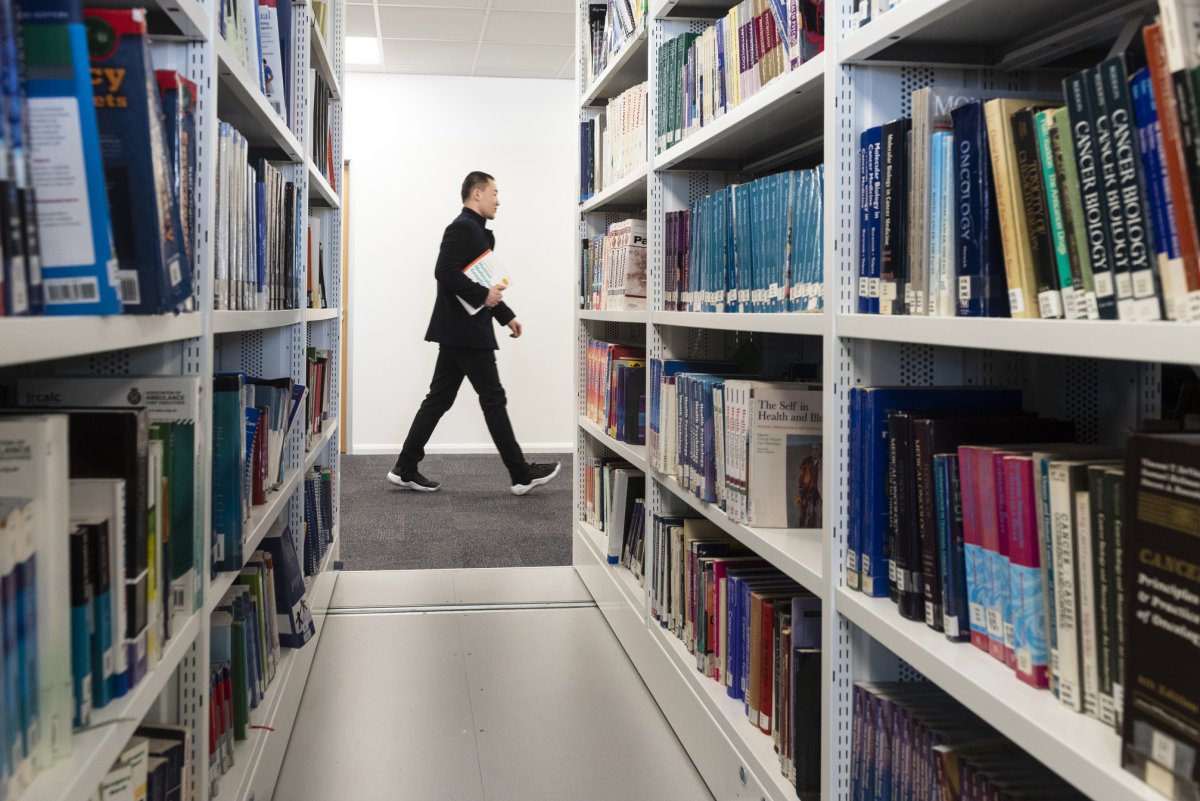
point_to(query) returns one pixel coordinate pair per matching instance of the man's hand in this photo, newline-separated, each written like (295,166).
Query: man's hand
(515,326)
(495,295)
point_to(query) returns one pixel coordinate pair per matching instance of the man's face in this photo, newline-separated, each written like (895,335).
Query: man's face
(489,200)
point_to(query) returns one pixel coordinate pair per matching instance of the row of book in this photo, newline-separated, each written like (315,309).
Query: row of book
(1079,205)
(613,501)
(912,740)
(753,630)
(1059,559)
(155,765)
(318,517)
(613,267)
(866,10)
(613,142)
(322,127)
(252,418)
(753,247)
(317,404)
(260,34)
(257,216)
(99,526)
(701,77)
(749,446)
(107,228)
(264,611)
(616,389)
(612,24)
(316,296)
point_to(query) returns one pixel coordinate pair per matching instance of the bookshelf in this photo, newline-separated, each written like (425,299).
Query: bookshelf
(1105,376)
(185,36)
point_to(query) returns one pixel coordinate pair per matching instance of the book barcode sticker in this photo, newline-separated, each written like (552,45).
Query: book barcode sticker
(851,561)
(1162,748)
(140,646)
(1050,304)
(1143,283)
(864,287)
(964,289)
(107,661)
(773,291)
(1024,660)
(930,619)
(219,550)
(910,295)
(1192,308)
(918,301)
(1016,301)
(127,286)
(1072,309)
(899,576)
(873,289)
(1160,779)
(887,290)
(950,624)
(995,623)
(1009,635)
(1091,306)
(891,572)
(1127,309)
(886,307)
(1124,285)
(1148,309)
(1104,284)
(866,564)
(175,271)
(743,295)
(71,290)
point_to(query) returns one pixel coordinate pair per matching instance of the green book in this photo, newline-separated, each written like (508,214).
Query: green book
(1043,125)
(1072,207)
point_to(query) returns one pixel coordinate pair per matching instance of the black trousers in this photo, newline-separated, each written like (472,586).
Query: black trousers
(479,367)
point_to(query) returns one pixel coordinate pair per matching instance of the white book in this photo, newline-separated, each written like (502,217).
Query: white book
(34,465)
(718,393)
(136,757)
(272,57)
(486,271)
(16,555)
(117,785)
(1088,645)
(615,522)
(784,456)
(1066,582)
(104,498)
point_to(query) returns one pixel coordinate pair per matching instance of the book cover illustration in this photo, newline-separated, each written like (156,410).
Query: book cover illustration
(804,477)
(486,271)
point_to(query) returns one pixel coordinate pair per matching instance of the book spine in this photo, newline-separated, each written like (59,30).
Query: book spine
(1050,155)
(1062,509)
(1131,183)
(1114,493)
(1089,655)
(1179,189)
(995,578)
(1162,224)
(893,264)
(956,620)
(973,554)
(1032,197)
(931,572)
(1022,299)
(1110,186)
(1083,293)
(1102,577)
(1092,197)
(1026,591)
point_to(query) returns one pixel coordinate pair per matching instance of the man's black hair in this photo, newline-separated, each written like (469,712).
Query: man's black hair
(474,179)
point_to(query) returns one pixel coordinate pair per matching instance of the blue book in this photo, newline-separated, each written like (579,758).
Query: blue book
(956,621)
(875,216)
(228,469)
(1154,172)
(978,254)
(104,686)
(152,269)
(806,622)
(863,306)
(78,266)
(27,647)
(882,725)
(82,624)
(872,460)
(12,666)
(854,521)
(295,623)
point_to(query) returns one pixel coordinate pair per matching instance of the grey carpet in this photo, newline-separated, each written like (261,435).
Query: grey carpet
(473,521)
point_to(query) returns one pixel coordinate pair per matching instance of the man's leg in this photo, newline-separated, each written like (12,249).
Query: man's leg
(480,369)
(443,389)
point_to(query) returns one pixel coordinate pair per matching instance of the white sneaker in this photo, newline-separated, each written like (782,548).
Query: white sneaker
(416,482)
(539,474)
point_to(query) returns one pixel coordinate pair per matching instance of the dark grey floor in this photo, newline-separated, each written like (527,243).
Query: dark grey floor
(473,521)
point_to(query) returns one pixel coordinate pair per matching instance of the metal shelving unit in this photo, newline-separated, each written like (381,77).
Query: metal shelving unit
(201,343)
(1104,376)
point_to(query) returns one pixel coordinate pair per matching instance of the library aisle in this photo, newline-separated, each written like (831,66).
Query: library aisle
(472,684)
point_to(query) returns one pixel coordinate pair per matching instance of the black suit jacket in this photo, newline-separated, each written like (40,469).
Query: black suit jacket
(465,239)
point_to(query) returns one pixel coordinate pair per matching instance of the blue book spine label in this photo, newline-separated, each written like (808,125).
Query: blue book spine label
(1029,619)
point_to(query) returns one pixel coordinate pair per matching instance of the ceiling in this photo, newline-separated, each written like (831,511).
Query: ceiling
(498,38)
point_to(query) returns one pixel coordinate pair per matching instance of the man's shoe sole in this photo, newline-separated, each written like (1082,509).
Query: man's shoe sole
(521,489)
(412,485)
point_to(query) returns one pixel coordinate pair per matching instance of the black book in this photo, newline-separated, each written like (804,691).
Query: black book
(1134,201)
(894,245)
(806,722)
(1103,577)
(1114,496)
(1115,227)
(932,435)
(1161,727)
(1033,197)
(82,624)
(904,568)
(1189,126)
(635,406)
(1095,213)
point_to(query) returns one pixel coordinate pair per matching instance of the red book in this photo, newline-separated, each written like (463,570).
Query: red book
(969,458)
(999,569)
(766,697)
(1173,154)
(1026,586)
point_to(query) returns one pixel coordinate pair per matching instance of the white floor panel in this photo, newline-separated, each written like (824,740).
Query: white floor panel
(385,715)
(561,713)
(373,589)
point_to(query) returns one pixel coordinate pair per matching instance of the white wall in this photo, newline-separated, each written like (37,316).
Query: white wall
(411,140)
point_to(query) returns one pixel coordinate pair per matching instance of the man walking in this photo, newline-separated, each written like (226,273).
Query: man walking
(468,346)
